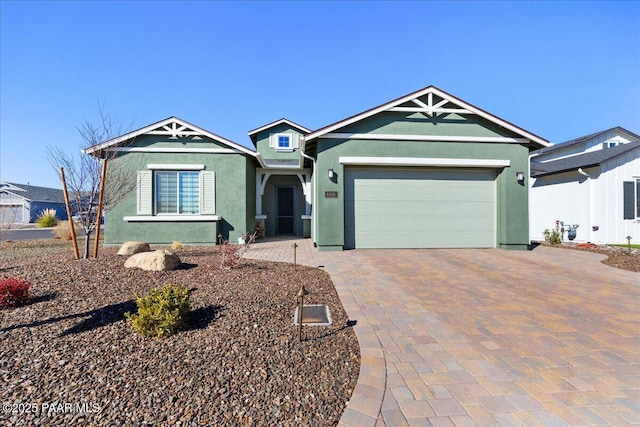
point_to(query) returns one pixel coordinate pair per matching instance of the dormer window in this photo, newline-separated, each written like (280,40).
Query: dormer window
(284,141)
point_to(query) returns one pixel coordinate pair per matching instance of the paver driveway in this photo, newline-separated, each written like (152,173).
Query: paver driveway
(486,337)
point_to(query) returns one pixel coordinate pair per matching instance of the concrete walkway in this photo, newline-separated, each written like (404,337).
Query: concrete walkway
(484,337)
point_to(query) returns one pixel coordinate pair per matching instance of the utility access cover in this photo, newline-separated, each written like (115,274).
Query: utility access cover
(313,315)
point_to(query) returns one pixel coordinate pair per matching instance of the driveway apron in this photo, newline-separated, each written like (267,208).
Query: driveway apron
(485,337)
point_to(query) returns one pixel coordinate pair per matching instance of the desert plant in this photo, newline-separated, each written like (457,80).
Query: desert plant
(229,256)
(161,313)
(176,246)
(62,232)
(13,291)
(47,219)
(554,236)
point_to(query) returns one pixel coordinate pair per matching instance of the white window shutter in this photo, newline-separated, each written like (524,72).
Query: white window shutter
(295,141)
(208,193)
(144,192)
(273,140)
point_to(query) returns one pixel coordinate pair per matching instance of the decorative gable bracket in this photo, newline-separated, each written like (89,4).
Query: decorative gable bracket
(176,131)
(429,107)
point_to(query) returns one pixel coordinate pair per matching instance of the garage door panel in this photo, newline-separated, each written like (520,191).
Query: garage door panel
(419,208)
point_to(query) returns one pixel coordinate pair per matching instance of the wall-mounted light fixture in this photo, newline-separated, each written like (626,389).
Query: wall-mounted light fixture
(331,173)
(520,176)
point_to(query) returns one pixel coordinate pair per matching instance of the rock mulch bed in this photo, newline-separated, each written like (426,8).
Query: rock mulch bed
(239,362)
(617,257)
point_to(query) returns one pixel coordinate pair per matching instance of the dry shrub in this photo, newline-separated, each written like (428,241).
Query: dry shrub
(62,231)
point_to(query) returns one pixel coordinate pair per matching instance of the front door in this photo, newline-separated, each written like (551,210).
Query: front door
(285,210)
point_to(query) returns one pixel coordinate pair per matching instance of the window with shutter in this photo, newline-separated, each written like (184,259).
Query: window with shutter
(177,192)
(631,204)
(284,141)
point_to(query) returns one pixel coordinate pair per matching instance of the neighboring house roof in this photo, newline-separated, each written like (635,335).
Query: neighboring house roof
(33,193)
(172,126)
(582,139)
(253,133)
(442,94)
(585,160)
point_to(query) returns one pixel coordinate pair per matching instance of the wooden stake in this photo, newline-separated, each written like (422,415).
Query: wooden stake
(100,202)
(71,228)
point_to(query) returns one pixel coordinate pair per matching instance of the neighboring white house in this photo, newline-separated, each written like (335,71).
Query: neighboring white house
(592,182)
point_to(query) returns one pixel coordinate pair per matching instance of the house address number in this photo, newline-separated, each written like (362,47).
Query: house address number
(331,194)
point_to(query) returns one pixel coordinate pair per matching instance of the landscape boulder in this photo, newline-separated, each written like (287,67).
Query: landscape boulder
(159,260)
(131,248)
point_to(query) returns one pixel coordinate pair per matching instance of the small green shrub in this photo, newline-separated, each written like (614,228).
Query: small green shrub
(13,291)
(47,219)
(554,236)
(161,313)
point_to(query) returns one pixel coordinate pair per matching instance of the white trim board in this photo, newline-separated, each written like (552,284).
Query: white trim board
(444,138)
(424,161)
(277,122)
(175,150)
(175,167)
(172,218)
(429,91)
(158,126)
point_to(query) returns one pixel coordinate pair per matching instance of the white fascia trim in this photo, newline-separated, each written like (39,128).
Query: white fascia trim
(175,150)
(382,136)
(260,160)
(277,122)
(175,167)
(430,89)
(283,171)
(423,161)
(172,218)
(154,126)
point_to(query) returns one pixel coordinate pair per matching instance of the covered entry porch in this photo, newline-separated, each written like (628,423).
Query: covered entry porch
(283,202)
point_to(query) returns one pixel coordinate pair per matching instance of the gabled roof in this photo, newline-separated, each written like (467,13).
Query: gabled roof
(593,158)
(33,193)
(172,126)
(253,133)
(582,139)
(464,108)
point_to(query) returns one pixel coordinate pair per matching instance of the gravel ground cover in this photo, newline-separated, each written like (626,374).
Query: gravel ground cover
(617,257)
(70,357)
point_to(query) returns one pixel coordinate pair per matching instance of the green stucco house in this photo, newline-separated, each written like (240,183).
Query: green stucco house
(426,170)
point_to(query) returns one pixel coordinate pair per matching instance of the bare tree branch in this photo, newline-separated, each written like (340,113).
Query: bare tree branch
(83,173)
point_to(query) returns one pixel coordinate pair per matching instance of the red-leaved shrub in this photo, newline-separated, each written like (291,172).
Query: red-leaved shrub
(13,291)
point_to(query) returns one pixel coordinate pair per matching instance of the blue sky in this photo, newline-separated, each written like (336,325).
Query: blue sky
(558,69)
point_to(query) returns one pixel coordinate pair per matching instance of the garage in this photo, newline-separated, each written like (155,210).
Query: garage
(419,208)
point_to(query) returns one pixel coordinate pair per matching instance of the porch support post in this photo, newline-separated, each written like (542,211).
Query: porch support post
(306,189)
(259,193)
(307,198)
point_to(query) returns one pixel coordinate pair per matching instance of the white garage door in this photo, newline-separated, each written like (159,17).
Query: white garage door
(419,208)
